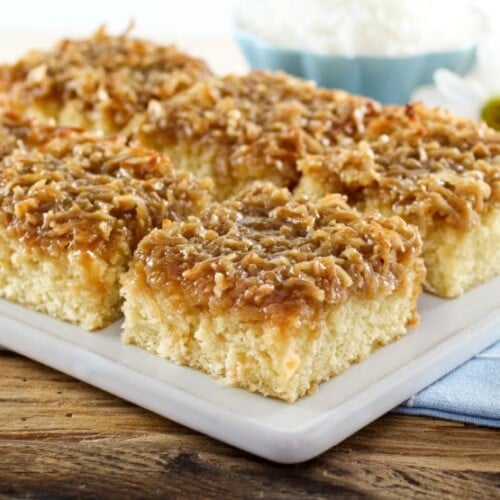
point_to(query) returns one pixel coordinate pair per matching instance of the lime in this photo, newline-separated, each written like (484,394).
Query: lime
(490,112)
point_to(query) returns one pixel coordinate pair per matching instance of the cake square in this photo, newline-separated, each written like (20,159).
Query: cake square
(72,211)
(436,171)
(272,294)
(99,83)
(238,129)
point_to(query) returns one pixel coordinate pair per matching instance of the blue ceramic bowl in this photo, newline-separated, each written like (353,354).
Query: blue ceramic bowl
(389,79)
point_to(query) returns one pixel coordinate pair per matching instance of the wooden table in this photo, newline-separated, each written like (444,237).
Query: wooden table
(60,437)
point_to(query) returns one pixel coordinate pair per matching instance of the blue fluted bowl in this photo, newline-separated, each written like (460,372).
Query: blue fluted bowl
(388,79)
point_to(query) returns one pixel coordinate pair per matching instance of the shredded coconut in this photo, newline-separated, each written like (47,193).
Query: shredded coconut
(349,27)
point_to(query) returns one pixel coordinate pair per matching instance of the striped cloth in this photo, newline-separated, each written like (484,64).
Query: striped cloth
(470,393)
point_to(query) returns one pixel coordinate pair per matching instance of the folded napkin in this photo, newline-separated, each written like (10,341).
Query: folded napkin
(470,393)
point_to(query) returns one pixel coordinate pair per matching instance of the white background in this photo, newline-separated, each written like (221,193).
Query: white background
(167,17)
(202,27)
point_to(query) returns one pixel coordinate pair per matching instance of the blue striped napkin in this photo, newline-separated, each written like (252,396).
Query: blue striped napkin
(470,393)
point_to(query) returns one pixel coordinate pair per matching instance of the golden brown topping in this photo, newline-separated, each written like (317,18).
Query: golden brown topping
(84,193)
(7,141)
(410,122)
(17,130)
(420,163)
(115,76)
(256,126)
(266,253)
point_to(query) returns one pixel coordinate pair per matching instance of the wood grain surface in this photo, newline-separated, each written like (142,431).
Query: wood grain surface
(60,438)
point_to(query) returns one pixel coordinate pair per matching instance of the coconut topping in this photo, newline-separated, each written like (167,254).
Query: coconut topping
(422,164)
(84,193)
(256,126)
(265,252)
(115,75)
(20,131)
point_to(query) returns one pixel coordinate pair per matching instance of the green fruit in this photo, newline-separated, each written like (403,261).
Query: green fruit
(490,112)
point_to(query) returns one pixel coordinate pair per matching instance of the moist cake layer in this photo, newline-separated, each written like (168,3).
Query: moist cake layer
(263,282)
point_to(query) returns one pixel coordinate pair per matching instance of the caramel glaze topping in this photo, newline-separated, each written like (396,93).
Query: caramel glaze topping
(89,194)
(256,126)
(117,75)
(424,165)
(263,253)
(20,131)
